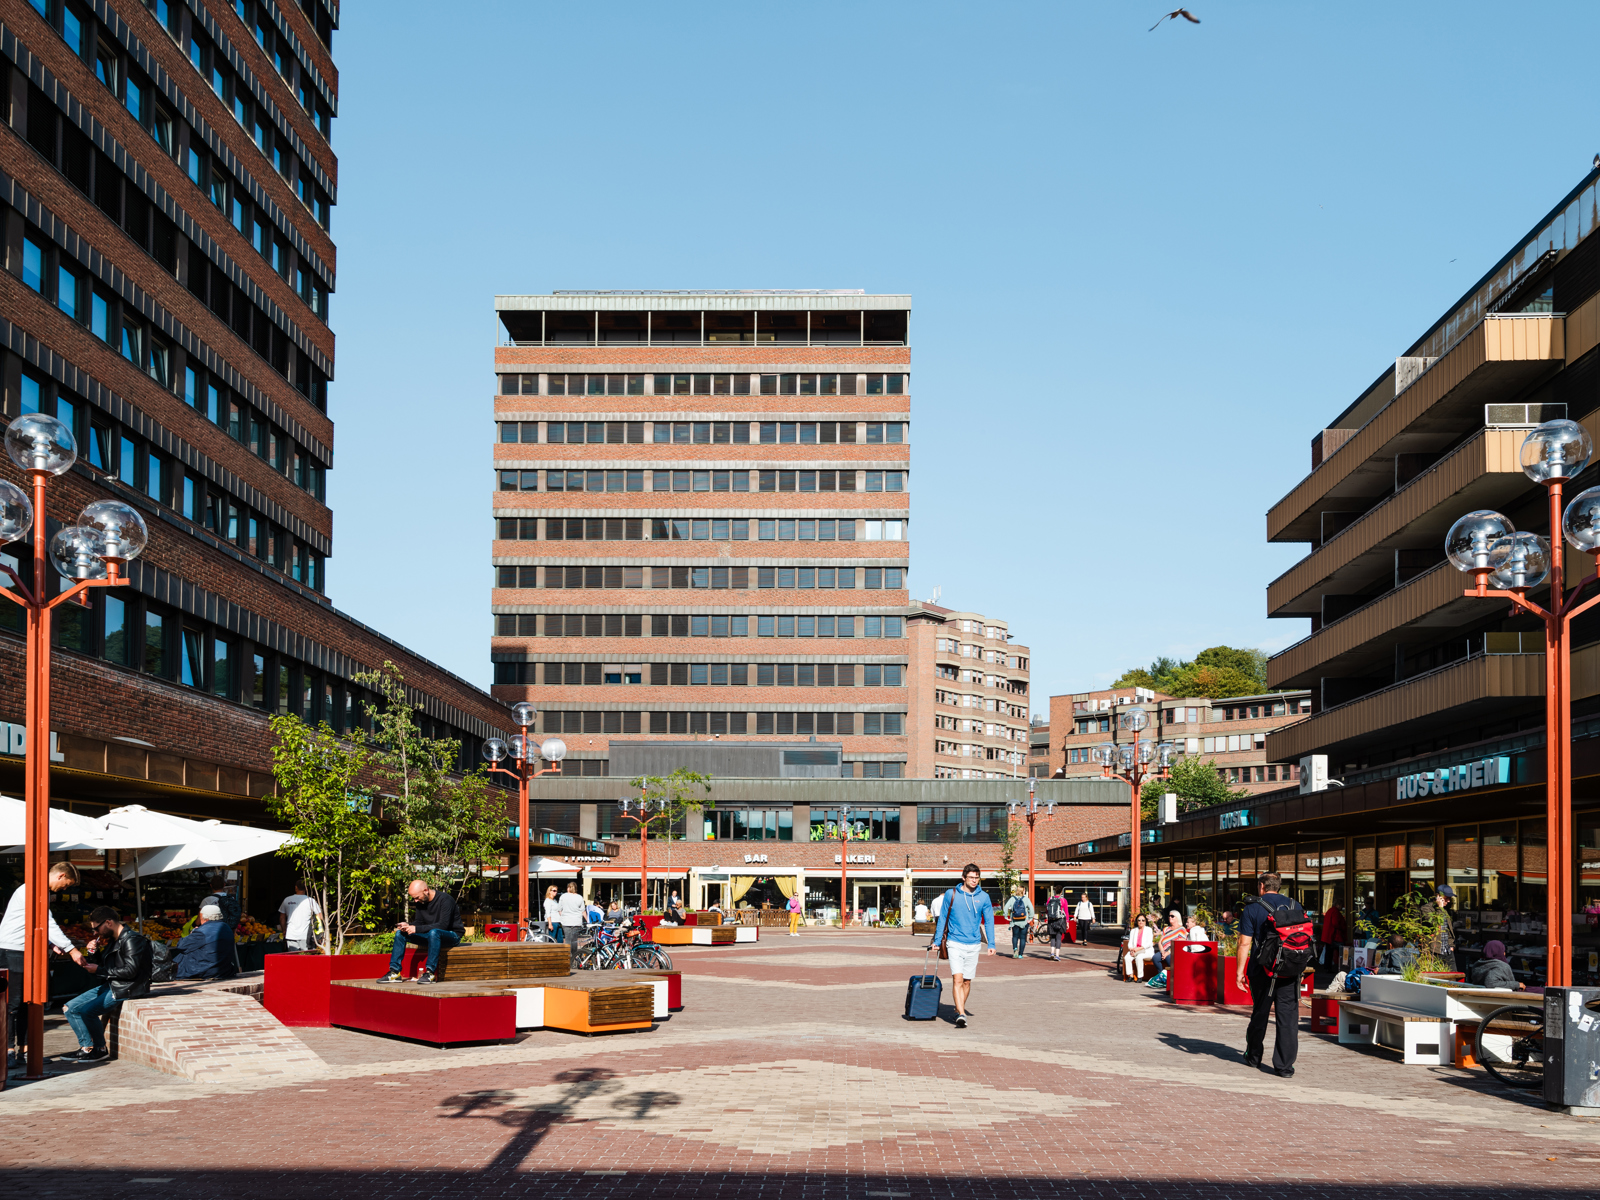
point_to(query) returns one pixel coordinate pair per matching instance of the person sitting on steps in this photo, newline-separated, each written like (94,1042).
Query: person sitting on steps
(436,924)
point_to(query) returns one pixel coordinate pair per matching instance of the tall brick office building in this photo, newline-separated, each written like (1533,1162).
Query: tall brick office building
(166,185)
(701,518)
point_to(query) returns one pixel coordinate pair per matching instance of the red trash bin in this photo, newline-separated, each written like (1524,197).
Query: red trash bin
(1192,972)
(500,931)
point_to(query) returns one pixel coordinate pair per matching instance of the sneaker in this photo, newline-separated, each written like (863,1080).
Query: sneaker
(392,977)
(424,977)
(961,1022)
(1252,1061)
(1285,1072)
(91,1055)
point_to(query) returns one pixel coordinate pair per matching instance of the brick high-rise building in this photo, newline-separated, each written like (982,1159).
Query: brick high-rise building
(969,707)
(166,185)
(701,518)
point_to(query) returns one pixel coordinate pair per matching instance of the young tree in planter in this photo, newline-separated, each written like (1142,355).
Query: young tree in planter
(1009,876)
(675,796)
(335,846)
(446,823)
(1196,782)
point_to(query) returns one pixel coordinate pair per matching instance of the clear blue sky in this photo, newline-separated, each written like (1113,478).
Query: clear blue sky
(1145,267)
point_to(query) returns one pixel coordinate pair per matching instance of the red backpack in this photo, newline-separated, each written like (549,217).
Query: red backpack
(1287,943)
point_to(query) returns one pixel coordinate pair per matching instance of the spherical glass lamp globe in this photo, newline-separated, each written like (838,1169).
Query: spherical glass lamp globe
(494,750)
(1556,450)
(1105,753)
(1467,544)
(120,525)
(1519,561)
(16,512)
(553,750)
(36,442)
(519,746)
(1135,719)
(1169,752)
(79,553)
(523,713)
(1581,522)
(1126,755)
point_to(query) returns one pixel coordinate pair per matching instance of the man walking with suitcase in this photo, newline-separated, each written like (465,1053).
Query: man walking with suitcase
(966,922)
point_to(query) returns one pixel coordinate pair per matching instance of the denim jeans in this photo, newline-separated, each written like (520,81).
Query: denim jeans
(560,931)
(433,940)
(86,1013)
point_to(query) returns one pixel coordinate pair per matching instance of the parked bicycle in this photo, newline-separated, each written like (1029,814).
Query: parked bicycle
(619,947)
(1510,1045)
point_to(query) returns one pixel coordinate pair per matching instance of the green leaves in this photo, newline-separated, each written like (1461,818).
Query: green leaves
(1196,783)
(676,795)
(1215,674)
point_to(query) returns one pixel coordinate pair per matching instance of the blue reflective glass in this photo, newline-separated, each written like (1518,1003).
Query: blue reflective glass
(33,264)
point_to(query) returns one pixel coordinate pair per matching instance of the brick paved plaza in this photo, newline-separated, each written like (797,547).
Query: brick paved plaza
(791,1074)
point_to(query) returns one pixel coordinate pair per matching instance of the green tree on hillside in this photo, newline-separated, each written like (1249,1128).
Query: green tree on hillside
(1215,673)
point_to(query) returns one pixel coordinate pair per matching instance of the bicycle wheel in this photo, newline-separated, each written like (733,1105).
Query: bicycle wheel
(651,957)
(1510,1046)
(587,958)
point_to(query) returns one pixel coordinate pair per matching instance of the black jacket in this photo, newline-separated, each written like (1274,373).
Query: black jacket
(1492,972)
(125,965)
(438,913)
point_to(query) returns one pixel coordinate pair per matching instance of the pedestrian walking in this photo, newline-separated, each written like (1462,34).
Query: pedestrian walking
(1056,921)
(965,925)
(1084,915)
(123,960)
(552,913)
(1019,911)
(297,919)
(570,911)
(13,934)
(1444,933)
(795,910)
(1269,992)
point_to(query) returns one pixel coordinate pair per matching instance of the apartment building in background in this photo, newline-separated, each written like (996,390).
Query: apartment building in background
(1039,747)
(969,709)
(701,518)
(1232,733)
(166,188)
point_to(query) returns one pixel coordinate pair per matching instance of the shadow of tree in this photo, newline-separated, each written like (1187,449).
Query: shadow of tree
(530,1124)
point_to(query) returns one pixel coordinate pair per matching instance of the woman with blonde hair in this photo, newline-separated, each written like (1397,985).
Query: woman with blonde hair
(552,913)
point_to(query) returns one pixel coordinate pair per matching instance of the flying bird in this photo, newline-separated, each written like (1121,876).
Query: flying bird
(1174,14)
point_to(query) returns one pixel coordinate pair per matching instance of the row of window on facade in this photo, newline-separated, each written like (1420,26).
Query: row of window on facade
(968,750)
(593,674)
(832,327)
(785,724)
(184,144)
(1237,712)
(704,433)
(987,728)
(119,453)
(735,578)
(703,481)
(984,653)
(686,529)
(694,625)
(67,283)
(712,384)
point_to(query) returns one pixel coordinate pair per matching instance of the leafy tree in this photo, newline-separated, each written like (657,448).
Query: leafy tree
(1009,876)
(1196,783)
(676,796)
(1215,673)
(335,835)
(446,823)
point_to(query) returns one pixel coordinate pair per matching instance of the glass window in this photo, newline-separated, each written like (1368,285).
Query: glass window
(116,630)
(67,292)
(32,264)
(31,392)
(155,643)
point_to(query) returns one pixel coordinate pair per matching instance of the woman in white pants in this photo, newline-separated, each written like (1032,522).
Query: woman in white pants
(1141,946)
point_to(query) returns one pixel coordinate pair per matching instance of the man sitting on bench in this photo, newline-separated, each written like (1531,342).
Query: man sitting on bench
(1397,957)
(436,924)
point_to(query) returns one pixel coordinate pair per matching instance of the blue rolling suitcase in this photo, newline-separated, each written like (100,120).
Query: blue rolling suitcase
(922,995)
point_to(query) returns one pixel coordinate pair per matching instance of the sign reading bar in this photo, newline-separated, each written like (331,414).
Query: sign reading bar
(755,858)
(1482,772)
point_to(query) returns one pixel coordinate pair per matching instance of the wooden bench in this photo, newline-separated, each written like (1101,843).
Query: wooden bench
(1423,1039)
(923,928)
(704,935)
(502,960)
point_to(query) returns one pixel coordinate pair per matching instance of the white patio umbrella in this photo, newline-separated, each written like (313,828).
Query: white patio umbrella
(68,830)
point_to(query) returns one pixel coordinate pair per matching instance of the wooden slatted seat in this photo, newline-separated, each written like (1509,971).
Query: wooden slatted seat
(503,960)
(1423,1039)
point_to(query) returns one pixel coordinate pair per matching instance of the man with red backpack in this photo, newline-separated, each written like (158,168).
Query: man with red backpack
(1275,947)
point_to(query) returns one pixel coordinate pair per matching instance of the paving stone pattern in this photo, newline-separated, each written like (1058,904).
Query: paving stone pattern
(792,1076)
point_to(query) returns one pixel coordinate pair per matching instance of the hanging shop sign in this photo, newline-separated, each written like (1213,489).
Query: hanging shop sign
(1481,772)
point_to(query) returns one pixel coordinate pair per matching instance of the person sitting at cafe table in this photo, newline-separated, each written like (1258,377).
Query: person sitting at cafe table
(1493,970)
(207,952)
(1397,957)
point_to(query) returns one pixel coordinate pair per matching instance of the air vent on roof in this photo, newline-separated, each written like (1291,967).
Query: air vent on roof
(1522,415)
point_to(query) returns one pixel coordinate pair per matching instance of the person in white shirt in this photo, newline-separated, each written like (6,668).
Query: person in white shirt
(552,913)
(1197,933)
(921,913)
(1084,916)
(13,937)
(1141,947)
(570,912)
(295,918)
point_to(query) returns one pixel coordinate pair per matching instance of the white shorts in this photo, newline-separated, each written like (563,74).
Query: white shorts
(964,958)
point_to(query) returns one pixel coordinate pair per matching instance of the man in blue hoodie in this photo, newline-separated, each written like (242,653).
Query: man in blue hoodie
(966,922)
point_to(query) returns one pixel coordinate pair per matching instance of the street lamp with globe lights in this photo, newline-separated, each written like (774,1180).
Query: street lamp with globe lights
(91,553)
(1031,808)
(496,751)
(1135,761)
(1485,545)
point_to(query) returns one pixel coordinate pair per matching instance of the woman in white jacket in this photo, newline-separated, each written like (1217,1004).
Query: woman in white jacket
(1141,946)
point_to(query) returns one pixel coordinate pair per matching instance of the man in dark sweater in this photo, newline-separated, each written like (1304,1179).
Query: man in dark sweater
(435,923)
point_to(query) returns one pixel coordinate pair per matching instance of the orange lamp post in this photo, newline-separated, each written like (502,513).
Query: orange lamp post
(1485,545)
(553,751)
(1135,761)
(641,812)
(1031,808)
(91,553)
